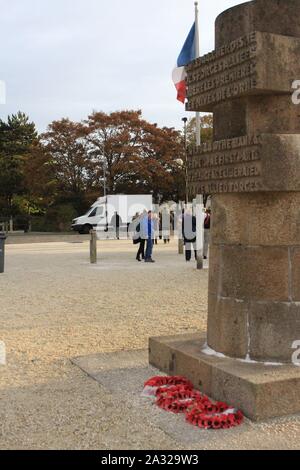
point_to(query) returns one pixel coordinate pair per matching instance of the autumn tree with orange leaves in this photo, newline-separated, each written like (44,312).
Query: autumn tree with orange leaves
(63,173)
(139,157)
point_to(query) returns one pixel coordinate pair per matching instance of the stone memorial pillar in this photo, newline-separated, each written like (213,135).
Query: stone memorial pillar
(252,169)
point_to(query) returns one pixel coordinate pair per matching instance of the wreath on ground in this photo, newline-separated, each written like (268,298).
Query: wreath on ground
(177,395)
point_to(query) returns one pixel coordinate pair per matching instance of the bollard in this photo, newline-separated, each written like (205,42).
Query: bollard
(93,247)
(2,251)
(199,260)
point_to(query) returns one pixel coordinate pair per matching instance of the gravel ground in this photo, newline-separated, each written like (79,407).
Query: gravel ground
(56,306)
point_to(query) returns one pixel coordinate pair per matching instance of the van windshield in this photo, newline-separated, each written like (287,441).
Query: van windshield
(96,212)
(89,211)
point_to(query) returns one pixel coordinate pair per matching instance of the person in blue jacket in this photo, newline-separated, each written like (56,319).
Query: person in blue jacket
(148,234)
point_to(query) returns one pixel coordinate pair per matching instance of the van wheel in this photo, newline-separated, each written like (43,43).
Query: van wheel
(86,229)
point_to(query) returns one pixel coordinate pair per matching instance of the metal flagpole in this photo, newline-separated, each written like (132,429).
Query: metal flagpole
(199,205)
(197,40)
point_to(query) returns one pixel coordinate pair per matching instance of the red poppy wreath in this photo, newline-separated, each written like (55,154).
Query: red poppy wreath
(177,395)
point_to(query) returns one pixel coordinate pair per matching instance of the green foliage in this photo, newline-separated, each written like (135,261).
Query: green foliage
(206,130)
(61,216)
(17,136)
(56,219)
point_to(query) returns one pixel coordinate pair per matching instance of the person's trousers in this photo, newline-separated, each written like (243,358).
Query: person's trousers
(141,252)
(188,250)
(149,249)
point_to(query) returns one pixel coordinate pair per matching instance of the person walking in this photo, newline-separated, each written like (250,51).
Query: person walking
(141,251)
(137,238)
(156,228)
(165,226)
(189,230)
(207,222)
(115,221)
(148,235)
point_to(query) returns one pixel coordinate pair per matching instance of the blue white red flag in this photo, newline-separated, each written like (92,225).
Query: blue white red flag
(187,55)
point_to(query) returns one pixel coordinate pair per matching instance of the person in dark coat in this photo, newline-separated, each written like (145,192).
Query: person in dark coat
(189,231)
(138,239)
(141,251)
(116,221)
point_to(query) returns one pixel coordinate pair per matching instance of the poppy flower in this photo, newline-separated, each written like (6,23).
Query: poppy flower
(217,423)
(239,418)
(208,423)
(221,407)
(200,423)
(210,408)
(224,422)
(156,382)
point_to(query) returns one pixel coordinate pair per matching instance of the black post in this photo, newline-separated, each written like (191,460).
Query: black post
(2,251)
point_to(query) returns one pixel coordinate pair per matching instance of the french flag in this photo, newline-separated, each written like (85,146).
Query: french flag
(187,55)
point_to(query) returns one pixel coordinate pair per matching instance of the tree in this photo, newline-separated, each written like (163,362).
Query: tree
(17,136)
(39,181)
(206,134)
(62,171)
(65,146)
(206,130)
(138,156)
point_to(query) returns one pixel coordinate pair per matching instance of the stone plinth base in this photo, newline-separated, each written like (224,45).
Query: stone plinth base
(260,391)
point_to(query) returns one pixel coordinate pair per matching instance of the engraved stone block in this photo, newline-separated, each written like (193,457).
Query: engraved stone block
(256,64)
(267,162)
(270,16)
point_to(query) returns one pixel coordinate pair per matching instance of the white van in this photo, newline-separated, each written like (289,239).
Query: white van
(102,213)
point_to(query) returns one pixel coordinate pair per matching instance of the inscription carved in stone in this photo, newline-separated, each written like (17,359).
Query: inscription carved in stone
(247,66)
(246,164)
(232,165)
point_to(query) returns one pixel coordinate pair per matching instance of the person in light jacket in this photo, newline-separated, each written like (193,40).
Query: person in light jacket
(148,234)
(166,226)
(156,228)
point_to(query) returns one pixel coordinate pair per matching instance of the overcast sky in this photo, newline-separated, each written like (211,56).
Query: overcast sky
(65,58)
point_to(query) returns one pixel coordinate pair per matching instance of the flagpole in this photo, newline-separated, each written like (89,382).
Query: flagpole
(197,41)
(199,206)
